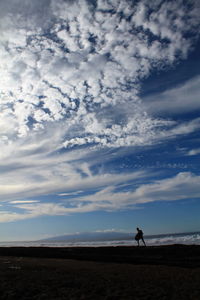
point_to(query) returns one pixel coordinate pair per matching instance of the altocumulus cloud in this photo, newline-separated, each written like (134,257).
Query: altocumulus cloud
(81,62)
(70,76)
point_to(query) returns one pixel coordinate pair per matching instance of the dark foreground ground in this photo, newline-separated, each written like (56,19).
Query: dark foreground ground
(164,272)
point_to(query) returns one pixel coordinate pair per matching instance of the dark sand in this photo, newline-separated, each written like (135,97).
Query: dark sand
(165,272)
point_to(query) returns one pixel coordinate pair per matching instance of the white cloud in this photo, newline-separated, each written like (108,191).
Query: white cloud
(184,185)
(23,201)
(70,76)
(181,99)
(193,152)
(178,129)
(65,60)
(38,166)
(32,211)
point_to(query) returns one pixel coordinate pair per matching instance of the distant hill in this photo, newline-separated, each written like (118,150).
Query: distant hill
(92,236)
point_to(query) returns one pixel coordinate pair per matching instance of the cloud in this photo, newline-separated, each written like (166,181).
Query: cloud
(193,152)
(70,194)
(23,201)
(181,99)
(70,79)
(180,128)
(32,211)
(41,166)
(184,185)
(70,61)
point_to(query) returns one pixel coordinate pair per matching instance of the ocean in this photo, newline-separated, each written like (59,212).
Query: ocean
(192,238)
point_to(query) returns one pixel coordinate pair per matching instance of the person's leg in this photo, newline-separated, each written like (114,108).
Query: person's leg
(143,242)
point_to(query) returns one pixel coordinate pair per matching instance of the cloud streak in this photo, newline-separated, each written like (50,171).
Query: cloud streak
(184,185)
(181,99)
(193,152)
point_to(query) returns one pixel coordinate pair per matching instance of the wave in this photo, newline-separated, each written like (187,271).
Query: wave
(187,239)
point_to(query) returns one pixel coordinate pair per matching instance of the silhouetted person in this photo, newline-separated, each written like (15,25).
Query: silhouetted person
(139,236)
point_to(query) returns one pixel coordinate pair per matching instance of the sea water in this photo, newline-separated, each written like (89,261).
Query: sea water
(192,238)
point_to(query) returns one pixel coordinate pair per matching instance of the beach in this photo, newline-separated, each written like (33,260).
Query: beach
(162,272)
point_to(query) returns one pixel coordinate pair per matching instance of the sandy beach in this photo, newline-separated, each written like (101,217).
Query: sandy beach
(164,272)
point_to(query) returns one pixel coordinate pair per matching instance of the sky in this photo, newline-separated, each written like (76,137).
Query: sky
(99,117)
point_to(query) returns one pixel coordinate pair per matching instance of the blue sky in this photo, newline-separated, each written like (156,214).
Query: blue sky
(99,117)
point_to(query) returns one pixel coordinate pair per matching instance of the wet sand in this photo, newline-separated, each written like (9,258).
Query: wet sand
(164,272)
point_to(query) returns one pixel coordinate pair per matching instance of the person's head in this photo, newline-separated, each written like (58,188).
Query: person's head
(137,229)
